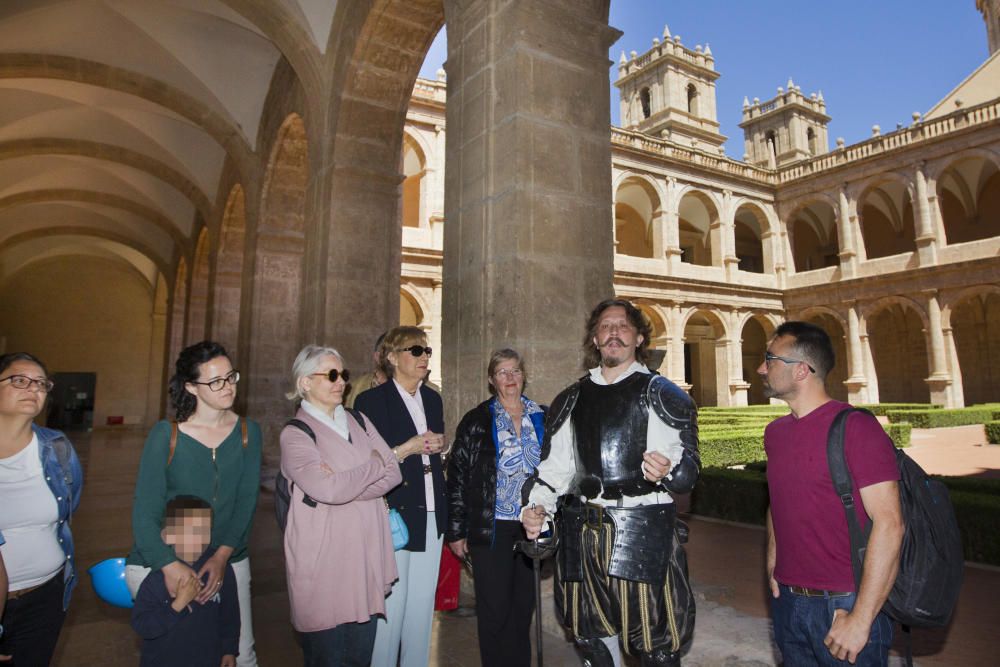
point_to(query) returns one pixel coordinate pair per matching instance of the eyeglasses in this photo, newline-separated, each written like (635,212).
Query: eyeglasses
(335,375)
(218,383)
(768,358)
(510,373)
(417,350)
(24,382)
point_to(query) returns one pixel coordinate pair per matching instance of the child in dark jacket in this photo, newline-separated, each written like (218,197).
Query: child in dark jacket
(177,631)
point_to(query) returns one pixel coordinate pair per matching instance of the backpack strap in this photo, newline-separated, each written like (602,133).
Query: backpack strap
(305,428)
(843,484)
(173,442)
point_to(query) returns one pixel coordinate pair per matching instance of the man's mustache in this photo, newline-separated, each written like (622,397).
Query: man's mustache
(612,340)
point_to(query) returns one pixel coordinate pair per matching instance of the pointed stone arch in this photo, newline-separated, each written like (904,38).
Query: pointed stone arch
(413,207)
(229,262)
(198,299)
(277,279)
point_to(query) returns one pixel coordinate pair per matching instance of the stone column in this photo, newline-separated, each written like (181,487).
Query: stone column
(527,247)
(927,240)
(739,389)
(848,258)
(728,244)
(675,355)
(856,381)
(957,392)
(672,227)
(871,396)
(940,379)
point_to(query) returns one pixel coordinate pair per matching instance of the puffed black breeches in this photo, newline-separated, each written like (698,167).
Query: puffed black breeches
(646,615)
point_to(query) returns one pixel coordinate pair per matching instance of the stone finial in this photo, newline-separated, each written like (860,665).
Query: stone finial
(441,74)
(876,130)
(791,84)
(623,60)
(666,31)
(819,96)
(632,54)
(708,49)
(746,102)
(697,48)
(746,157)
(656,41)
(812,97)
(915,116)
(958,102)
(756,101)
(840,142)
(781,91)
(677,39)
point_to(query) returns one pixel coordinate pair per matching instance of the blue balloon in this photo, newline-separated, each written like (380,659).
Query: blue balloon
(108,579)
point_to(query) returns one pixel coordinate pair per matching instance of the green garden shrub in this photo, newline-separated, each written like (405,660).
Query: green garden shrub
(899,433)
(734,495)
(993,432)
(937,418)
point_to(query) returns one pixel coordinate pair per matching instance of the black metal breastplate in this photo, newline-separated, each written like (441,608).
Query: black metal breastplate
(610,422)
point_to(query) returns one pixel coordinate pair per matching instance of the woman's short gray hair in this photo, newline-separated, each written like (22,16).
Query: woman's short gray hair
(305,364)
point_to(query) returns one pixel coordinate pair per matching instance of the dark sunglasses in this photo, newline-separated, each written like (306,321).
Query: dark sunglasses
(417,350)
(335,375)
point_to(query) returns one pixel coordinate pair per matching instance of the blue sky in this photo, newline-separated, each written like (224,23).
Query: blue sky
(876,61)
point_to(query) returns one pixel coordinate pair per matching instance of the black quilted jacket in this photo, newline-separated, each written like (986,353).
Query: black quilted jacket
(472,477)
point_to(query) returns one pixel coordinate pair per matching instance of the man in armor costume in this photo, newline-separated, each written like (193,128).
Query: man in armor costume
(617,442)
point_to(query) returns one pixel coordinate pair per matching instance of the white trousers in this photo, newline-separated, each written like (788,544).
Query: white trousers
(405,633)
(136,574)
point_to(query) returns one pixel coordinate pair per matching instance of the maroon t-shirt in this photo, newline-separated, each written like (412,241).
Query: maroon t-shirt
(810,529)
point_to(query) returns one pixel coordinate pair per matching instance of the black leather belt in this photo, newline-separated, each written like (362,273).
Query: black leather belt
(817,592)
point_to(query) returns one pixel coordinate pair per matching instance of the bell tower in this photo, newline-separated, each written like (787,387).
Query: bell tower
(669,92)
(990,10)
(785,129)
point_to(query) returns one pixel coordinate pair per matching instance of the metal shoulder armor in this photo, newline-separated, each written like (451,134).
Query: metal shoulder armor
(676,409)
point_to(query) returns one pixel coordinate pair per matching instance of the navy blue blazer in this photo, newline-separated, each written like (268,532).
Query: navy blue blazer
(384,407)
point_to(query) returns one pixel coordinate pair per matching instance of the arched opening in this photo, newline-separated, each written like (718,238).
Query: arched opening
(750,226)
(838,375)
(812,233)
(975,326)
(646,103)
(410,312)
(698,232)
(413,168)
(811,141)
(771,146)
(658,343)
(635,205)
(704,356)
(274,338)
(756,333)
(692,99)
(198,303)
(229,272)
(899,351)
(178,311)
(970,200)
(887,220)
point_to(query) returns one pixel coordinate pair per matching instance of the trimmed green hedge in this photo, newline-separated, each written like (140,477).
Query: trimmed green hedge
(941,417)
(993,432)
(881,409)
(724,449)
(741,495)
(899,433)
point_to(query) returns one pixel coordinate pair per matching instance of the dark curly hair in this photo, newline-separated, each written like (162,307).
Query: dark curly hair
(188,369)
(592,355)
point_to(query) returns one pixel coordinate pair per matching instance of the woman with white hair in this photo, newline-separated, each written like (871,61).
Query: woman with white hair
(338,547)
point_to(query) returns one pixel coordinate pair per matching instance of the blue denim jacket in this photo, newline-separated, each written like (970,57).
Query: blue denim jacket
(64,476)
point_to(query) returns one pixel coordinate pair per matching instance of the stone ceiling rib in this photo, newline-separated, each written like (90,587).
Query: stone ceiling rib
(55,146)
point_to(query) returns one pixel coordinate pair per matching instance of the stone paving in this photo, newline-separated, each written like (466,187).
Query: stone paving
(726,565)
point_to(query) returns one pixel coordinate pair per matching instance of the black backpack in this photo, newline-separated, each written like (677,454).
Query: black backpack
(283,488)
(930,559)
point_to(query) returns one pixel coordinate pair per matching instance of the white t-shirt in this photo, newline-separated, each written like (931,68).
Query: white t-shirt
(29,521)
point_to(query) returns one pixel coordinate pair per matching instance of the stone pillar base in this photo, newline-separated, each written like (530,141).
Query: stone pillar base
(857,390)
(939,388)
(739,394)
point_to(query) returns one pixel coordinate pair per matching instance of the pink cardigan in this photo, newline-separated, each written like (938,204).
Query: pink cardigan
(338,555)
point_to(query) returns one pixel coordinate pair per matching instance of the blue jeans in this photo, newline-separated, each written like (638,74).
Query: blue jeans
(801,623)
(345,645)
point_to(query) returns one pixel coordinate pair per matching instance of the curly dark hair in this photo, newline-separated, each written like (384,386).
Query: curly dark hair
(188,369)
(592,355)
